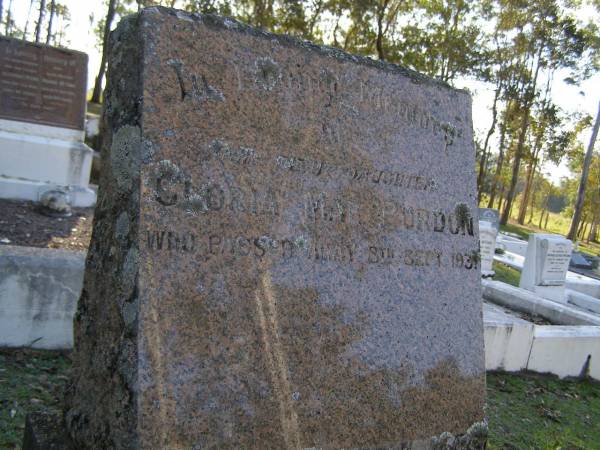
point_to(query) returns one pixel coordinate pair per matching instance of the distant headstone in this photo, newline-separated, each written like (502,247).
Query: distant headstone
(490,215)
(42,109)
(487,244)
(42,84)
(284,253)
(546,265)
(579,261)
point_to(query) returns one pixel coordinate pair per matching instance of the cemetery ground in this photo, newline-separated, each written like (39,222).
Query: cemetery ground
(22,224)
(525,411)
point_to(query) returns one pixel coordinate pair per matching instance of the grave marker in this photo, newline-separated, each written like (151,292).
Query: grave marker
(546,265)
(490,215)
(284,251)
(487,242)
(42,84)
(42,113)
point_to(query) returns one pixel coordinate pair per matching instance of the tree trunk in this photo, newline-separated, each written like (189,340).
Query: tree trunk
(499,164)
(589,235)
(581,227)
(543,211)
(483,159)
(380,17)
(501,197)
(27,21)
(40,22)
(531,168)
(532,203)
(7,27)
(584,177)
(52,11)
(528,100)
(546,222)
(525,198)
(110,15)
(593,236)
(516,167)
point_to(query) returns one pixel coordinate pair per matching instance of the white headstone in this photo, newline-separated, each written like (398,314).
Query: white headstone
(487,247)
(546,265)
(490,215)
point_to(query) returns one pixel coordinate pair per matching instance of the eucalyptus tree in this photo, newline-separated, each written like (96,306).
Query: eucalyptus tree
(592,66)
(548,40)
(50,19)
(105,26)
(40,21)
(442,38)
(579,202)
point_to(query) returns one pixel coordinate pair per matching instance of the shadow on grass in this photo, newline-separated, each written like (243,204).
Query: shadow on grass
(533,411)
(29,381)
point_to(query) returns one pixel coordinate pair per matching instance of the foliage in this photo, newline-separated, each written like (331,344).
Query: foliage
(520,49)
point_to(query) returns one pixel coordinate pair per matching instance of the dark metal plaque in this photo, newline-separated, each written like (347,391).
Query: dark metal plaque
(42,84)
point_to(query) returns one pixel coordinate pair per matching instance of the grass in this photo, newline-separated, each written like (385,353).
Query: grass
(529,411)
(525,411)
(29,381)
(506,274)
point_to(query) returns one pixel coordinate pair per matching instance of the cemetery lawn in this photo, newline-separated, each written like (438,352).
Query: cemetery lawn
(29,381)
(525,411)
(530,411)
(506,274)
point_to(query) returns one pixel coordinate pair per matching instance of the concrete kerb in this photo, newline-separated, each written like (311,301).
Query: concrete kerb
(39,290)
(524,301)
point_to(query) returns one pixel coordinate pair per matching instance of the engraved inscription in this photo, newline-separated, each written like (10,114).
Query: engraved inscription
(355,174)
(42,84)
(338,250)
(194,87)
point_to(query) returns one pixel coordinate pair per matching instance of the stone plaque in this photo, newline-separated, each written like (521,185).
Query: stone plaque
(555,256)
(42,84)
(284,252)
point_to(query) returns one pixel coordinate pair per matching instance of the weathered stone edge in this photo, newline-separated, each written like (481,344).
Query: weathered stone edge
(229,23)
(101,415)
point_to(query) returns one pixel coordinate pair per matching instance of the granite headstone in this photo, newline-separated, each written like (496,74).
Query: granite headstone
(284,252)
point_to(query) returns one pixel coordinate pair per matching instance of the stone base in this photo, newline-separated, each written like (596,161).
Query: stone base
(37,158)
(554,293)
(15,189)
(45,431)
